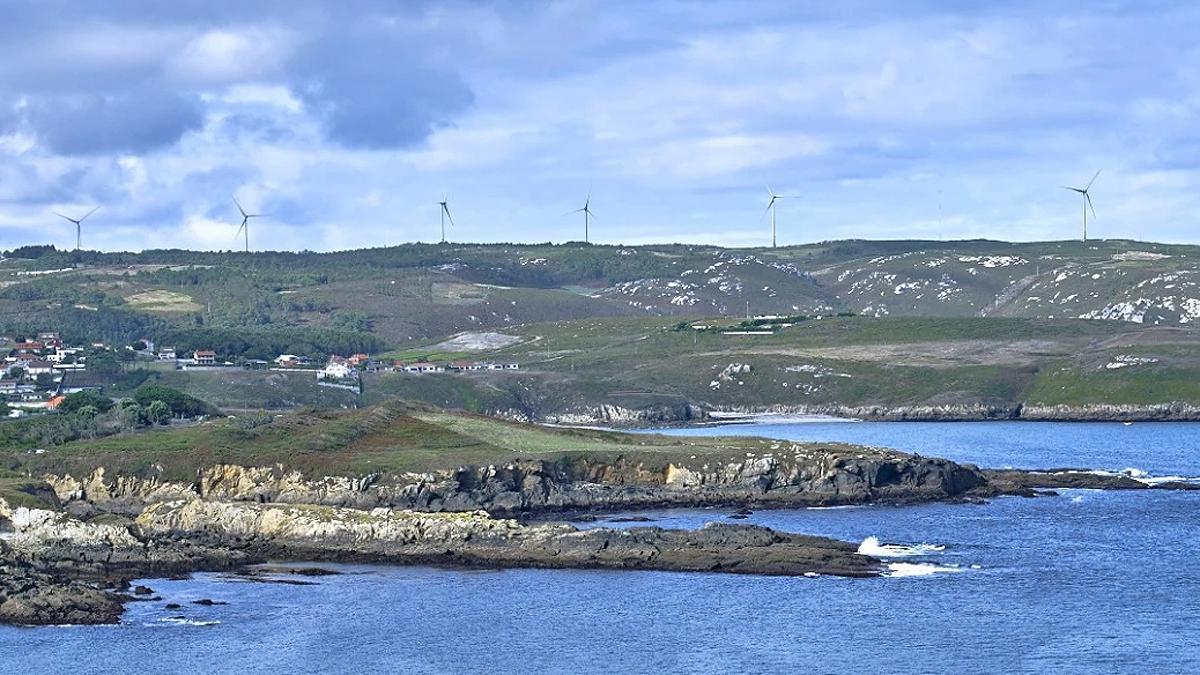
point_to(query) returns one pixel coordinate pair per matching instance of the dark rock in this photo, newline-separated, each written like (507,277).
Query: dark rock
(142,590)
(174,605)
(206,602)
(312,572)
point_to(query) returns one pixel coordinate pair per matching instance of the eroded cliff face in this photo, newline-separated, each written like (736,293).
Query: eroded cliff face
(479,539)
(790,477)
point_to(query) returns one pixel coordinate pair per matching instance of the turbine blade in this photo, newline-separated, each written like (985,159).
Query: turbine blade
(1093,180)
(64,217)
(1088,197)
(239,205)
(592,214)
(1072,189)
(89,213)
(239,230)
(769,190)
(448,216)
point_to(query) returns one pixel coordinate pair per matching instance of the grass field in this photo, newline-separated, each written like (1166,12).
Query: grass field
(392,437)
(162,301)
(646,362)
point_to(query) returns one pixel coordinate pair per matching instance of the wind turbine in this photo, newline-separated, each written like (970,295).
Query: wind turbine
(587,215)
(245,226)
(771,208)
(445,213)
(1087,201)
(78,224)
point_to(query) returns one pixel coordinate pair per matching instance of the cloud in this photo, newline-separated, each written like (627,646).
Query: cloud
(349,121)
(131,121)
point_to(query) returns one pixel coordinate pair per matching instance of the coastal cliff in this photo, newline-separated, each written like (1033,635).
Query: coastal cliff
(793,475)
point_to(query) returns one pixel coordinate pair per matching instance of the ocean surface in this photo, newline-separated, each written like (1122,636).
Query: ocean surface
(1084,582)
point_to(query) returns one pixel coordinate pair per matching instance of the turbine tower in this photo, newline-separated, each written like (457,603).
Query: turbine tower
(771,209)
(587,215)
(1087,201)
(245,226)
(445,213)
(78,224)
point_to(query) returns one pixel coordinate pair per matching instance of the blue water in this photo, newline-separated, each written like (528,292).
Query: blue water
(1086,582)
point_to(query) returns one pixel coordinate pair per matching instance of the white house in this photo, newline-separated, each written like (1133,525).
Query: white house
(167,354)
(337,369)
(424,368)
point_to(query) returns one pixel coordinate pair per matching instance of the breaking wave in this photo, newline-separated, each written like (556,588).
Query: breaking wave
(1140,475)
(871,546)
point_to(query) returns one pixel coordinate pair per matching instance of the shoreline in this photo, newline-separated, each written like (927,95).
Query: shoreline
(695,416)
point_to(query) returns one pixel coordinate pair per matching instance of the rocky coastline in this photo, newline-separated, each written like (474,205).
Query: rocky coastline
(73,563)
(686,414)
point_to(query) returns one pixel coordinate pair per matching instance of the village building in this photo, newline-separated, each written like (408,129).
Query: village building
(29,347)
(287,360)
(167,354)
(39,367)
(204,357)
(422,367)
(338,368)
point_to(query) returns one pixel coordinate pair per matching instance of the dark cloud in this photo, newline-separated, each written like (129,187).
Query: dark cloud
(377,97)
(125,121)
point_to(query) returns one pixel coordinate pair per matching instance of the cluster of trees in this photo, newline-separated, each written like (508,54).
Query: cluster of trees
(267,343)
(66,290)
(89,414)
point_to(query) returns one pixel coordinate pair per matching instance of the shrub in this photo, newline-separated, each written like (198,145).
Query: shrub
(158,412)
(178,402)
(73,403)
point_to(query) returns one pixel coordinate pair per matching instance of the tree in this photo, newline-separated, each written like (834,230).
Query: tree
(44,380)
(158,412)
(74,403)
(177,402)
(103,363)
(4,409)
(88,412)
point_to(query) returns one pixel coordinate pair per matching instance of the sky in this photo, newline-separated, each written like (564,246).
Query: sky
(348,122)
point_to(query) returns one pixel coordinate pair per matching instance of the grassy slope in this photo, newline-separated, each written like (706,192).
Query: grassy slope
(850,361)
(389,438)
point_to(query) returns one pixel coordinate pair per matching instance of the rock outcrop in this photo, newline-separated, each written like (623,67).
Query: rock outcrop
(56,569)
(792,476)
(478,539)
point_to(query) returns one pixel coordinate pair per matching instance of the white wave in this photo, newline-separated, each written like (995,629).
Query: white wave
(1140,475)
(900,569)
(175,621)
(871,546)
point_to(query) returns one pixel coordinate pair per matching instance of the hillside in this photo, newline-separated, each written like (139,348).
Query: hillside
(657,369)
(983,324)
(420,291)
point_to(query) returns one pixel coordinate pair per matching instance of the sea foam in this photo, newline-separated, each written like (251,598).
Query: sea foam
(900,569)
(871,546)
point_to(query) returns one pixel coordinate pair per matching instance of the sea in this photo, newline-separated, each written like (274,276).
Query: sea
(1081,582)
